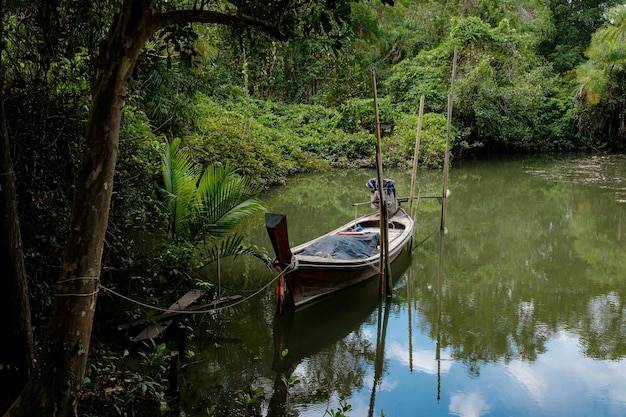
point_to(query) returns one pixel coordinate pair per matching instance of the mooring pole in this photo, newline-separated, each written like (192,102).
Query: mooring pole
(415,155)
(446,161)
(439,312)
(385,275)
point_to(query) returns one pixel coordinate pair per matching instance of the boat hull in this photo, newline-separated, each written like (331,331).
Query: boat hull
(317,277)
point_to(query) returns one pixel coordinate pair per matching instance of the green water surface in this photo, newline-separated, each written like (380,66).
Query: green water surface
(517,310)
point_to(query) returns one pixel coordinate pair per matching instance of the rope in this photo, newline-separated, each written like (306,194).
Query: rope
(212,310)
(424,240)
(58,294)
(78,295)
(63,281)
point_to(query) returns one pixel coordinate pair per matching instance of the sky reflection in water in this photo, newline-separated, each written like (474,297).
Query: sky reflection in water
(561,382)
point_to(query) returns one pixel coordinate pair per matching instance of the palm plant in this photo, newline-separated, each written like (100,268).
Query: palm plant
(607,58)
(205,208)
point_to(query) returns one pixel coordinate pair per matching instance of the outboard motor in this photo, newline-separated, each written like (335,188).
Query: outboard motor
(389,188)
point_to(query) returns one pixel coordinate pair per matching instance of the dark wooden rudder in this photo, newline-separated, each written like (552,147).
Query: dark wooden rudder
(276,225)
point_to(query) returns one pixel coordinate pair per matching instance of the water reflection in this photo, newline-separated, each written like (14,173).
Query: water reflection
(518,310)
(604,171)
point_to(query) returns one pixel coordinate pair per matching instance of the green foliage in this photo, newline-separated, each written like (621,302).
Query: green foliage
(228,136)
(135,209)
(206,205)
(276,140)
(358,114)
(46,73)
(602,81)
(400,146)
(570,30)
(167,81)
(607,57)
(410,80)
(119,384)
(290,382)
(341,411)
(204,208)
(174,262)
(284,353)
(180,178)
(500,90)
(531,16)
(252,397)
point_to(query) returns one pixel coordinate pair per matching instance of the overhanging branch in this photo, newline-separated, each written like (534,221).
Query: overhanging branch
(180,17)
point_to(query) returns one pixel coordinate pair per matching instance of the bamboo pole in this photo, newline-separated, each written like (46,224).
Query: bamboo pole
(439,313)
(381,336)
(385,275)
(415,155)
(446,162)
(409,299)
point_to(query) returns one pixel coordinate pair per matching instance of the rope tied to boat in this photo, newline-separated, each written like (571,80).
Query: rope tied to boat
(280,286)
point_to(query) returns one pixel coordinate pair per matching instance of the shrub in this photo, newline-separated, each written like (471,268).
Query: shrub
(400,147)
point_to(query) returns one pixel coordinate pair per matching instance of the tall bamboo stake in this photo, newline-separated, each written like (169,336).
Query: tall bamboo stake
(409,300)
(415,155)
(439,313)
(385,275)
(381,335)
(447,157)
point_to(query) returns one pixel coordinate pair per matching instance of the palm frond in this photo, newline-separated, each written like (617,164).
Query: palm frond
(208,206)
(232,246)
(180,177)
(223,200)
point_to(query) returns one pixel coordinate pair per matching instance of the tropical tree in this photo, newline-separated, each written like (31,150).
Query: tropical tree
(607,57)
(503,87)
(569,32)
(601,79)
(205,207)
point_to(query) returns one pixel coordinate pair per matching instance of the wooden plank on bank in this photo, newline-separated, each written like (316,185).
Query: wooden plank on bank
(157,328)
(152,331)
(186,300)
(182,303)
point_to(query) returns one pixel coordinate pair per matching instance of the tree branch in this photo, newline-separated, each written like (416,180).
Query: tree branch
(180,17)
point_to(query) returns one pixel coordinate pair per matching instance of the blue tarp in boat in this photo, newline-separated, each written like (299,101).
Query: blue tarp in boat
(345,247)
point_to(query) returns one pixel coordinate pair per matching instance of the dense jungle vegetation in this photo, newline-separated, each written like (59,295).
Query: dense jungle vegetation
(533,76)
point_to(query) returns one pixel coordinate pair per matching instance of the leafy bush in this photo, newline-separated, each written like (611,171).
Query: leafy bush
(400,147)
(500,88)
(410,80)
(270,141)
(228,136)
(358,114)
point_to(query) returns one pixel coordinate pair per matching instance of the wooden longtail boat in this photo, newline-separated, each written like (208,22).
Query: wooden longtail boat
(341,258)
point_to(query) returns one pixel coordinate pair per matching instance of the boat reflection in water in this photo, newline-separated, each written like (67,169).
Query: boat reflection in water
(300,334)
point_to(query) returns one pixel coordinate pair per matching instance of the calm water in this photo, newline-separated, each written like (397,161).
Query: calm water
(518,310)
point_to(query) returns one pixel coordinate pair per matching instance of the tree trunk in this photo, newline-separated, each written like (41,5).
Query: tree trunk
(55,386)
(16,348)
